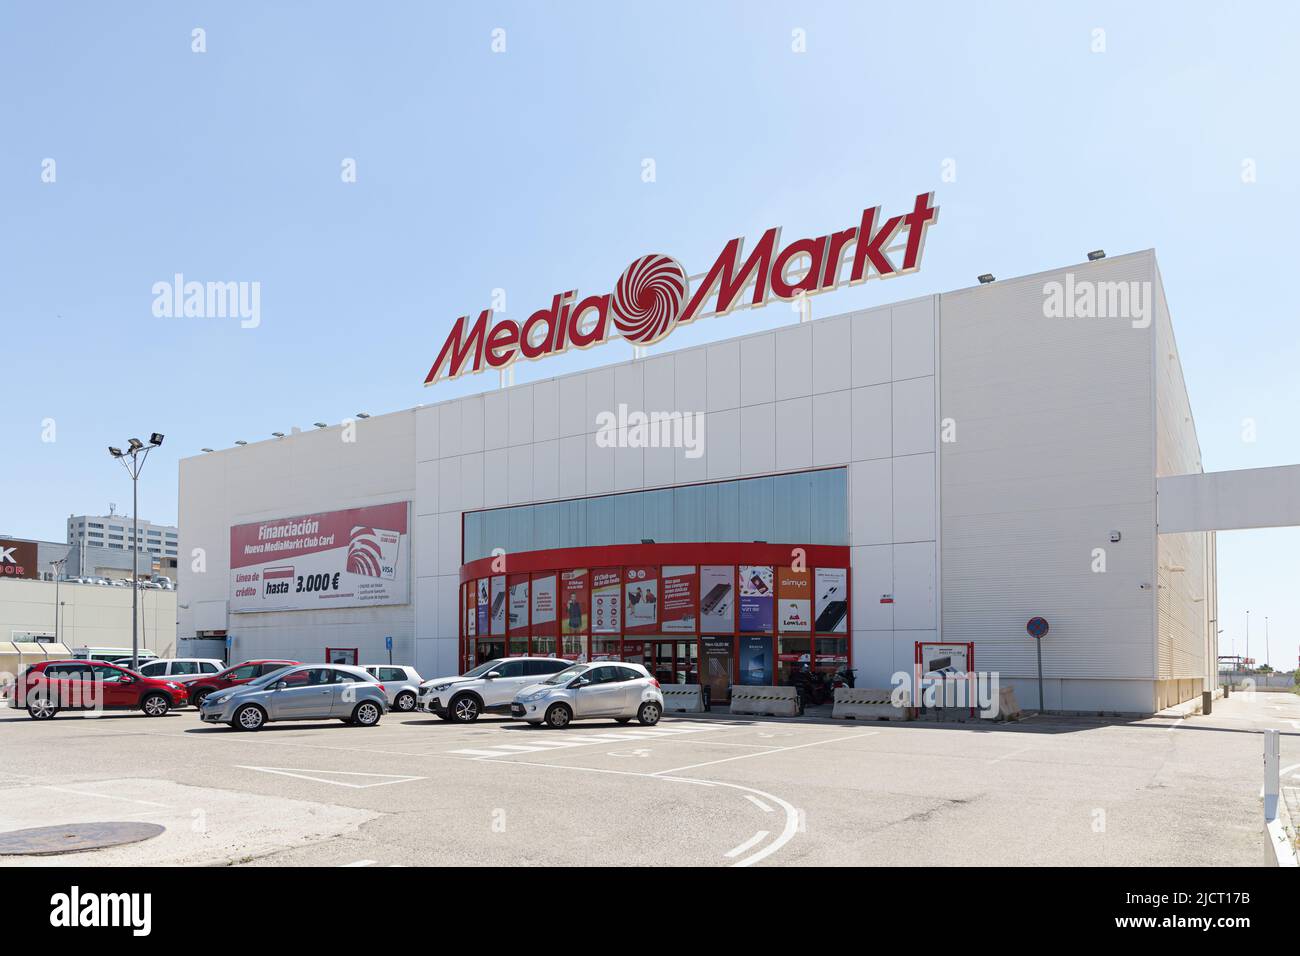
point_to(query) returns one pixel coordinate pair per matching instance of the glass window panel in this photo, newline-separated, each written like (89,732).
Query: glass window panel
(520,530)
(495,531)
(546,526)
(657,516)
(830,514)
(628,524)
(600,521)
(755,512)
(793,507)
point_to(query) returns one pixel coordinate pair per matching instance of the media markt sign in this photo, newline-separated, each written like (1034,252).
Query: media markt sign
(653,295)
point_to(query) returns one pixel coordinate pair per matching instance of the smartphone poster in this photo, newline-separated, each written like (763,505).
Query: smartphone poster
(718,597)
(497,612)
(484,586)
(575,602)
(831,586)
(606,594)
(756,597)
(518,603)
(544,605)
(640,599)
(471,608)
(793,601)
(680,594)
(755,660)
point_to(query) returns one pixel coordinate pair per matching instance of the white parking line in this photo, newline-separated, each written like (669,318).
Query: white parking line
(758,803)
(774,750)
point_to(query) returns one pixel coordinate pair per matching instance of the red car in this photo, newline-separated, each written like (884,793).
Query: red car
(51,686)
(231,676)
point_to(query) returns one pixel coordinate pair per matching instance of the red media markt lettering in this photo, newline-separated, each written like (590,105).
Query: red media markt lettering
(653,295)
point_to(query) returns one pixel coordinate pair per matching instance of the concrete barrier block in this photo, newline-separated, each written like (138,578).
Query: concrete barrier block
(765,701)
(867,703)
(683,698)
(1008,706)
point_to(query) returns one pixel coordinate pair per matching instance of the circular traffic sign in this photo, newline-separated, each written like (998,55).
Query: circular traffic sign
(1037,627)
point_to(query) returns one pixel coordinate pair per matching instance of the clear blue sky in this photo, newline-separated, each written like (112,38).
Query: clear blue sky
(522,170)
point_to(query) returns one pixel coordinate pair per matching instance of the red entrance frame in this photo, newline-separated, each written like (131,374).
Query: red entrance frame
(541,564)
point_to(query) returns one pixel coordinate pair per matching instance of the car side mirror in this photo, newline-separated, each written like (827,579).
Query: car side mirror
(579,682)
(493,675)
(282,685)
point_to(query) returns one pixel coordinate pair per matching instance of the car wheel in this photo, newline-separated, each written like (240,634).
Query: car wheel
(156,705)
(649,713)
(405,701)
(366,714)
(558,715)
(199,697)
(41,709)
(249,717)
(464,709)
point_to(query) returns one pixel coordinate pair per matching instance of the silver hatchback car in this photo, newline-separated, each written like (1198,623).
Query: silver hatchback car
(299,692)
(599,689)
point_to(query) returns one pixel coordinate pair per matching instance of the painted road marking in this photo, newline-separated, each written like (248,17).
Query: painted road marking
(758,803)
(307,774)
(486,750)
(752,841)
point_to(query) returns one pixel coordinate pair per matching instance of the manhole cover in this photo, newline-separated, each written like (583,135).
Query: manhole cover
(74,837)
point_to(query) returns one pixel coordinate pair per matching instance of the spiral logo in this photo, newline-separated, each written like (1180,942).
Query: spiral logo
(364,553)
(649,298)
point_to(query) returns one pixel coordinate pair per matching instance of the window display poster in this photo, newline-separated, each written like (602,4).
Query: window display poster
(832,588)
(756,597)
(793,601)
(606,591)
(640,599)
(718,598)
(715,666)
(518,603)
(679,599)
(575,602)
(471,608)
(544,605)
(497,613)
(484,586)
(755,659)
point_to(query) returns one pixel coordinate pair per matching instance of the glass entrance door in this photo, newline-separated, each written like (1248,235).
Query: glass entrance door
(673,662)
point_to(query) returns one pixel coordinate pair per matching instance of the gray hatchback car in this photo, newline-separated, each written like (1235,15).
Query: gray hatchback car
(299,692)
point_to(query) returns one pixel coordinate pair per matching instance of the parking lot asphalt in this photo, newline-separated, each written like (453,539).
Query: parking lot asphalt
(696,790)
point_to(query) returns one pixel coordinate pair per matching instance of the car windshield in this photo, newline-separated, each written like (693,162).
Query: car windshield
(270,678)
(482,668)
(566,675)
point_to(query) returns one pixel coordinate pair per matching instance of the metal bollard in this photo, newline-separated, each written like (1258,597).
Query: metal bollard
(1272,773)
(1207,702)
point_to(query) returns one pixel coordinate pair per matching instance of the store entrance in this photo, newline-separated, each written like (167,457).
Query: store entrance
(673,662)
(488,649)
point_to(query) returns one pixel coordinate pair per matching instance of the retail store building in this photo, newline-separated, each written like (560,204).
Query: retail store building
(941,469)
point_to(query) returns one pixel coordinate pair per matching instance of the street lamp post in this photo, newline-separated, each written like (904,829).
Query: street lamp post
(58,573)
(133,460)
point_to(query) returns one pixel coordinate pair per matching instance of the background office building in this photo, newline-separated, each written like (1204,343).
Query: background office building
(939,470)
(114,532)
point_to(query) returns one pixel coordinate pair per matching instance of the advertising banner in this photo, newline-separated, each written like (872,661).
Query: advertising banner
(640,599)
(680,596)
(544,605)
(793,601)
(517,604)
(944,660)
(471,608)
(755,660)
(756,597)
(497,611)
(715,666)
(718,598)
(606,594)
(18,559)
(359,557)
(484,586)
(831,586)
(575,601)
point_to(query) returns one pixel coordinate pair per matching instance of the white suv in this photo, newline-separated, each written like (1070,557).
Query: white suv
(489,687)
(401,682)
